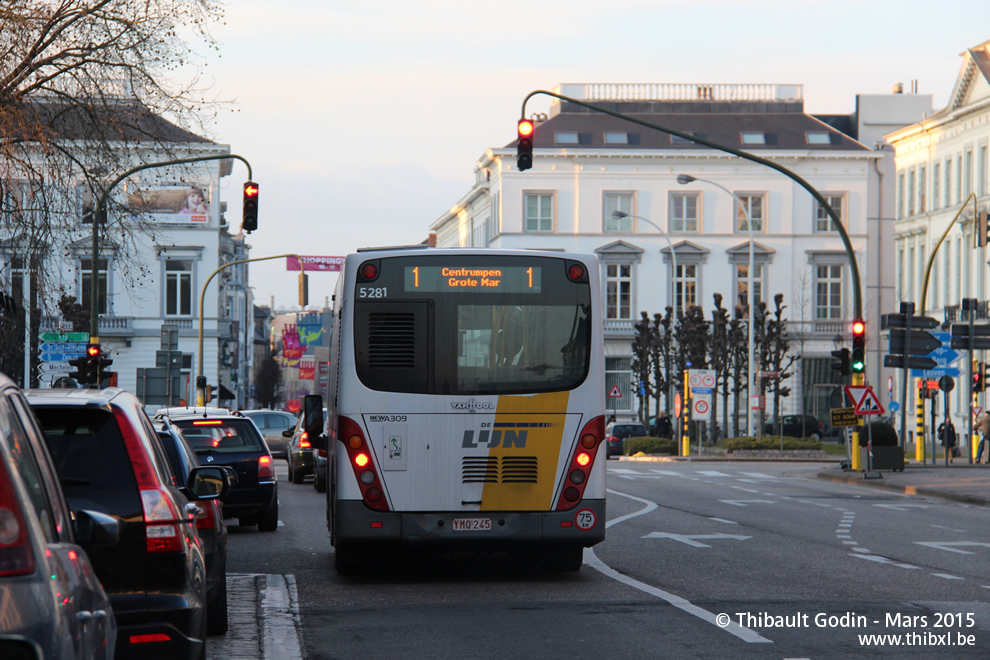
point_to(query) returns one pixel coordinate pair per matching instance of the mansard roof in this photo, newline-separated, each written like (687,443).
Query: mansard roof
(111,121)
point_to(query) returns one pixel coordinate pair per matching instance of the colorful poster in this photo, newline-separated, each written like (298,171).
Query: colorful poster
(307,371)
(290,337)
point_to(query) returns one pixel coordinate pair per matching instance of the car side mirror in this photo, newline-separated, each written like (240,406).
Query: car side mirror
(208,483)
(313,414)
(94,529)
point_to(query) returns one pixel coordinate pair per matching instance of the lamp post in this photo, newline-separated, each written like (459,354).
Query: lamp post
(618,215)
(684,179)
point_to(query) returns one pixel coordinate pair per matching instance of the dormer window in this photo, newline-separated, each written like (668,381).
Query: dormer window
(566,137)
(753,137)
(817,137)
(616,137)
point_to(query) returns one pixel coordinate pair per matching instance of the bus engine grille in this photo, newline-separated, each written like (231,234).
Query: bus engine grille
(494,469)
(391,340)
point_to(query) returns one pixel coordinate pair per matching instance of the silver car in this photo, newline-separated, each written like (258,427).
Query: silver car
(56,606)
(272,423)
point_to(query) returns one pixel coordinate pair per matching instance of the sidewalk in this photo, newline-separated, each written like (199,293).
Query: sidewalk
(960,481)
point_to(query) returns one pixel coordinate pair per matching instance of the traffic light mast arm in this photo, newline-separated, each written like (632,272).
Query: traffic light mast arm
(99,216)
(200,377)
(836,224)
(931,257)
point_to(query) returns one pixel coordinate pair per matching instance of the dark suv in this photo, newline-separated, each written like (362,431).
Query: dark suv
(221,437)
(796,426)
(109,459)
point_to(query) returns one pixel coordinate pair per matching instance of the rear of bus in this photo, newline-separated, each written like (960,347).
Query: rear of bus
(469,403)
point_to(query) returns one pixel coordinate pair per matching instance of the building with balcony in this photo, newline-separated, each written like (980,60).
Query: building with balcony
(603,185)
(943,184)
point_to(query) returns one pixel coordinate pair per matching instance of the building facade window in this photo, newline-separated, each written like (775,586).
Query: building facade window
(618,291)
(822,220)
(178,287)
(618,376)
(981,172)
(750,209)
(742,282)
(539,211)
(967,174)
(911,192)
(959,178)
(936,191)
(85,284)
(685,285)
(948,182)
(922,188)
(828,292)
(619,201)
(684,212)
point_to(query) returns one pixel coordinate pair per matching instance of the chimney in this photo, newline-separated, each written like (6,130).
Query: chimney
(431,241)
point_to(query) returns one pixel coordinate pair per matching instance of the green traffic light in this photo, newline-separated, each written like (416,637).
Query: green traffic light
(858,364)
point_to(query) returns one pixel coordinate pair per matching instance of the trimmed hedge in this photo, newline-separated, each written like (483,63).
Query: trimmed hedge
(732,444)
(651,446)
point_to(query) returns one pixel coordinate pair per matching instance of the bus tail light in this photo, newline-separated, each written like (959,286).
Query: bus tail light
(359,456)
(582,462)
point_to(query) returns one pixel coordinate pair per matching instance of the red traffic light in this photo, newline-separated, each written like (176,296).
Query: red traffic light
(859,328)
(93,350)
(250,189)
(525,128)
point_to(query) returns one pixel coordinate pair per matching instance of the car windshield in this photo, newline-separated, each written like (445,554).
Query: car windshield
(220,435)
(628,430)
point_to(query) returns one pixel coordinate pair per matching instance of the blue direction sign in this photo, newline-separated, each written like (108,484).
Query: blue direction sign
(943,356)
(64,347)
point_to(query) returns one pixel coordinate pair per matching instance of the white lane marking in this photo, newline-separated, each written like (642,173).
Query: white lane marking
(745,634)
(712,473)
(758,475)
(903,507)
(946,576)
(747,502)
(690,539)
(728,522)
(944,545)
(827,506)
(748,490)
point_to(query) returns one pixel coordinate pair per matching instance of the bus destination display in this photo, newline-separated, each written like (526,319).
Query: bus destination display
(497,279)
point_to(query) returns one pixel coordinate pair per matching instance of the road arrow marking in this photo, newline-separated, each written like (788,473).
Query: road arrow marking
(747,502)
(689,540)
(944,545)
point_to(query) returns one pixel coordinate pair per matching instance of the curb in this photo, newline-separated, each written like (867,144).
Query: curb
(906,490)
(729,459)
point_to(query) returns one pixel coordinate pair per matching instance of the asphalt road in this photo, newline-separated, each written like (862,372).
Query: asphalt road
(798,567)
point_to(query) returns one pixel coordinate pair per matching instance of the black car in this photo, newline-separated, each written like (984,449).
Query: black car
(300,454)
(221,437)
(109,458)
(616,433)
(209,523)
(796,426)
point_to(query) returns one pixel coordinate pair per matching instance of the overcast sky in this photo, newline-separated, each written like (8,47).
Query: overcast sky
(363,120)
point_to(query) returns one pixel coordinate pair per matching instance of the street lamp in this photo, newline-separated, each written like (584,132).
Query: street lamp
(685,179)
(618,215)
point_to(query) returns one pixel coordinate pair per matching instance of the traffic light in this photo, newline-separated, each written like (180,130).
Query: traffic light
(524,145)
(982,228)
(840,361)
(858,361)
(303,289)
(208,393)
(94,358)
(81,373)
(249,218)
(979,376)
(106,376)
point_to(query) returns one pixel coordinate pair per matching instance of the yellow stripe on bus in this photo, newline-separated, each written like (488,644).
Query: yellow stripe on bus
(544,416)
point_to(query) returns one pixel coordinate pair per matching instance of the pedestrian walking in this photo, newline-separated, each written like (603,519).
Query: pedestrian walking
(947,437)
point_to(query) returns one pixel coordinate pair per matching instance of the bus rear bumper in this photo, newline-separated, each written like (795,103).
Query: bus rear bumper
(583,525)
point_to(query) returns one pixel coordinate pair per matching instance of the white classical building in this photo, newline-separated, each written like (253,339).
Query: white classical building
(149,286)
(588,166)
(943,183)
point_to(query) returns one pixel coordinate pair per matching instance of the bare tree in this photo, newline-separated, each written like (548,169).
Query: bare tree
(267,380)
(86,88)
(719,351)
(643,346)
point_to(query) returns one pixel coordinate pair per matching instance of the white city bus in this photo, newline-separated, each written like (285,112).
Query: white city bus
(466,404)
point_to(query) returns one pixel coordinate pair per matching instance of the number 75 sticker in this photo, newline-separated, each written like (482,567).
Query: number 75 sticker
(585,519)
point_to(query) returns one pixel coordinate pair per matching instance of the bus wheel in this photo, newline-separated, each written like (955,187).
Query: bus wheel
(562,557)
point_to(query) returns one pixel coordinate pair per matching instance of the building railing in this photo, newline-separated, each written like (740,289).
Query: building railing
(954,313)
(809,329)
(681,92)
(119,325)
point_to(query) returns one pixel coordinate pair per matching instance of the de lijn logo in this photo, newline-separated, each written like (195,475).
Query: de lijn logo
(472,405)
(491,438)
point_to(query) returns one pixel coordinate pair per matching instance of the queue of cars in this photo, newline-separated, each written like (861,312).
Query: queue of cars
(112,532)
